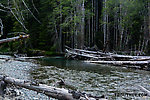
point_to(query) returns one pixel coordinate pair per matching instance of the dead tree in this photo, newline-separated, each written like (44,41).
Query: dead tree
(18,15)
(13,38)
(1,26)
(144,90)
(58,93)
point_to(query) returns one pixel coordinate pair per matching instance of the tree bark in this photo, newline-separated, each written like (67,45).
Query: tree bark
(58,93)
(144,90)
(13,38)
(149,17)
(82,25)
(1,25)
(60,29)
(120,63)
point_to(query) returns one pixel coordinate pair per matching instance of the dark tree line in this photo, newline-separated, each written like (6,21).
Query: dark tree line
(111,25)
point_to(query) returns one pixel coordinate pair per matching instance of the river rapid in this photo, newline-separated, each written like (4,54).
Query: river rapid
(115,83)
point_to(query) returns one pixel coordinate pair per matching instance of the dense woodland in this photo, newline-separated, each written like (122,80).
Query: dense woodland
(110,25)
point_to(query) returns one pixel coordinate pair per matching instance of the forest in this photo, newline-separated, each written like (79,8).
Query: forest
(38,36)
(109,25)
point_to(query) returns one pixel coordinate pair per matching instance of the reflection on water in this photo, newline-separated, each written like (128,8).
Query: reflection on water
(91,78)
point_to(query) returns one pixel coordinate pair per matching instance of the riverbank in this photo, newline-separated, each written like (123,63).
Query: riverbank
(93,79)
(20,70)
(5,50)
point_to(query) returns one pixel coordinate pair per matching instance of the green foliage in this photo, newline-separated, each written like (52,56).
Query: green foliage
(61,21)
(127,15)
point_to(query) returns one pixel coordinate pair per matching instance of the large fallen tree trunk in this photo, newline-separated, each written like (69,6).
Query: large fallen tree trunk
(13,38)
(122,62)
(74,54)
(103,56)
(58,93)
(98,53)
(144,90)
(142,64)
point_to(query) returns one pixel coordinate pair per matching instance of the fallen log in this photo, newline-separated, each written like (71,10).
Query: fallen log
(138,62)
(34,57)
(13,38)
(120,63)
(81,54)
(58,93)
(24,56)
(144,90)
(100,53)
(104,56)
(127,57)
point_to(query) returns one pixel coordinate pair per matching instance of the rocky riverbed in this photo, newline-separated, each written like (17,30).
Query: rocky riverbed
(113,82)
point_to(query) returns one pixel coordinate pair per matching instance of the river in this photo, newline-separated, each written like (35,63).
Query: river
(115,83)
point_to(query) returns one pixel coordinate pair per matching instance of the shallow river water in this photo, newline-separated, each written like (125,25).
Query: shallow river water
(115,83)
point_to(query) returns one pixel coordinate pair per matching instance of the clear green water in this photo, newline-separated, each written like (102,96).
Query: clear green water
(78,75)
(91,78)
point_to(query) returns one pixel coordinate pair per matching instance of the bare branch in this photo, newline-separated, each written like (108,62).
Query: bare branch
(10,9)
(18,19)
(30,11)
(35,7)
(17,13)
(16,16)
(2,26)
(16,33)
(4,6)
(22,15)
(13,38)
(3,10)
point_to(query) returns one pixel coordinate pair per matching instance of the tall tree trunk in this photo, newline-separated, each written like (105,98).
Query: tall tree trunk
(1,26)
(60,29)
(75,31)
(89,39)
(149,16)
(105,25)
(96,19)
(108,34)
(72,30)
(82,25)
(92,32)
(121,27)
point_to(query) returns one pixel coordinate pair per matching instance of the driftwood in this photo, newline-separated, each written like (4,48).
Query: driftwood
(144,90)
(58,93)
(13,38)
(81,54)
(100,57)
(35,57)
(84,54)
(24,56)
(122,62)
(130,64)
